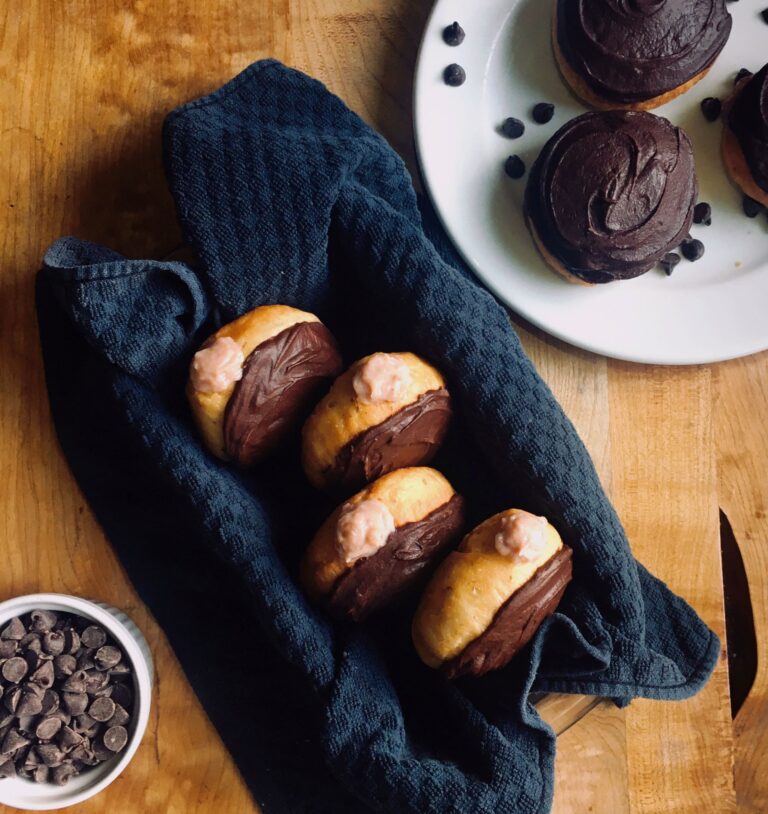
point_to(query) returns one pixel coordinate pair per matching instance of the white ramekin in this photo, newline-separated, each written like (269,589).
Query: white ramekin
(31,796)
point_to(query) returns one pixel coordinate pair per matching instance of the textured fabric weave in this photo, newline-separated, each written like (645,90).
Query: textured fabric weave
(287,196)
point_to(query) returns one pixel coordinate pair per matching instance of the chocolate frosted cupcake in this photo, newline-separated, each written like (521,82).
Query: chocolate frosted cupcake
(389,410)
(489,596)
(256,377)
(637,54)
(377,544)
(610,194)
(745,136)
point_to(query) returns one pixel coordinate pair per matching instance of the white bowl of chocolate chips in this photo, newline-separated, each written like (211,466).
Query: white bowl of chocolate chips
(75,692)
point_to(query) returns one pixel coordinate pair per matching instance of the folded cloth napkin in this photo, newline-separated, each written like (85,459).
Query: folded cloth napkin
(287,196)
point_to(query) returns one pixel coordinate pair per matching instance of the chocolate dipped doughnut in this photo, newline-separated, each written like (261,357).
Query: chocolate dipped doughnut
(636,54)
(388,411)
(255,378)
(378,543)
(489,596)
(745,135)
(610,194)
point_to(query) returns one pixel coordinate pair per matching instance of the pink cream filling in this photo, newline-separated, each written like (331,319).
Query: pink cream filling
(382,377)
(217,366)
(522,536)
(362,529)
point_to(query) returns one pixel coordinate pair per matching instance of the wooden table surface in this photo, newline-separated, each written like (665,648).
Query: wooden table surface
(84,86)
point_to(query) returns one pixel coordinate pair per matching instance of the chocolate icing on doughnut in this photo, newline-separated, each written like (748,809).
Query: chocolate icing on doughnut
(517,620)
(410,437)
(633,50)
(371,582)
(611,193)
(748,119)
(279,378)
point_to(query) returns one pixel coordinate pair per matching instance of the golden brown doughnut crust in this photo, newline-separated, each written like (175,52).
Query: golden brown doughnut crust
(589,97)
(410,495)
(733,156)
(468,589)
(249,331)
(341,416)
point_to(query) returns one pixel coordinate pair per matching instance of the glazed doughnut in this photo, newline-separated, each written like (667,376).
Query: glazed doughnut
(387,411)
(379,541)
(489,597)
(636,56)
(255,378)
(745,136)
(610,194)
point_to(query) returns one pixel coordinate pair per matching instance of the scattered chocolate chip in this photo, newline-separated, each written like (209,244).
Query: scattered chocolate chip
(67,739)
(53,642)
(50,702)
(75,703)
(512,128)
(742,74)
(43,676)
(122,694)
(64,665)
(669,261)
(12,741)
(11,698)
(752,208)
(514,167)
(107,657)
(115,738)
(454,75)
(453,34)
(29,704)
(120,670)
(711,108)
(40,774)
(13,630)
(61,775)
(71,640)
(101,751)
(14,669)
(692,249)
(543,112)
(119,718)
(102,709)
(93,637)
(764,15)
(7,648)
(76,682)
(85,660)
(702,213)
(49,753)
(47,728)
(7,768)
(42,620)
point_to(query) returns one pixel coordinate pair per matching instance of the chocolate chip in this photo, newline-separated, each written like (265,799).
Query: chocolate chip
(75,682)
(454,75)
(702,213)
(85,660)
(30,703)
(120,717)
(53,642)
(115,738)
(42,620)
(71,640)
(122,694)
(27,723)
(95,681)
(93,637)
(12,741)
(120,670)
(11,698)
(75,703)
(107,657)
(101,751)
(43,676)
(692,249)
(453,34)
(49,753)
(711,108)
(7,768)
(764,15)
(514,167)
(512,128)
(40,775)
(752,208)
(668,262)
(14,669)
(47,728)
(61,775)
(63,716)
(102,709)
(50,702)
(13,630)
(543,112)
(83,723)
(82,752)
(33,660)
(7,648)
(64,665)
(68,739)
(742,74)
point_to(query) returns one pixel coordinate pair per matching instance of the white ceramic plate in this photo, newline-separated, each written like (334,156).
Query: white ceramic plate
(714,309)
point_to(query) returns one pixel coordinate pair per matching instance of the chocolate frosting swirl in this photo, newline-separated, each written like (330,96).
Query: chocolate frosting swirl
(632,50)
(516,620)
(410,437)
(280,376)
(748,118)
(372,582)
(611,193)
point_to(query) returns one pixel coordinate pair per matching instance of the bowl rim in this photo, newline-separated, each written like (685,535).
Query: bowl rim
(141,660)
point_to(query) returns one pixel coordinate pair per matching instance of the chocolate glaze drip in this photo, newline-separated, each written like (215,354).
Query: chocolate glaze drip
(633,50)
(372,582)
(280,376)
(517,620)
(408,438)
(611,193)
(748,118)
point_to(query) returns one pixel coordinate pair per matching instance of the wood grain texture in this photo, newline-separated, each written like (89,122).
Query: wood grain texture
(84,85)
